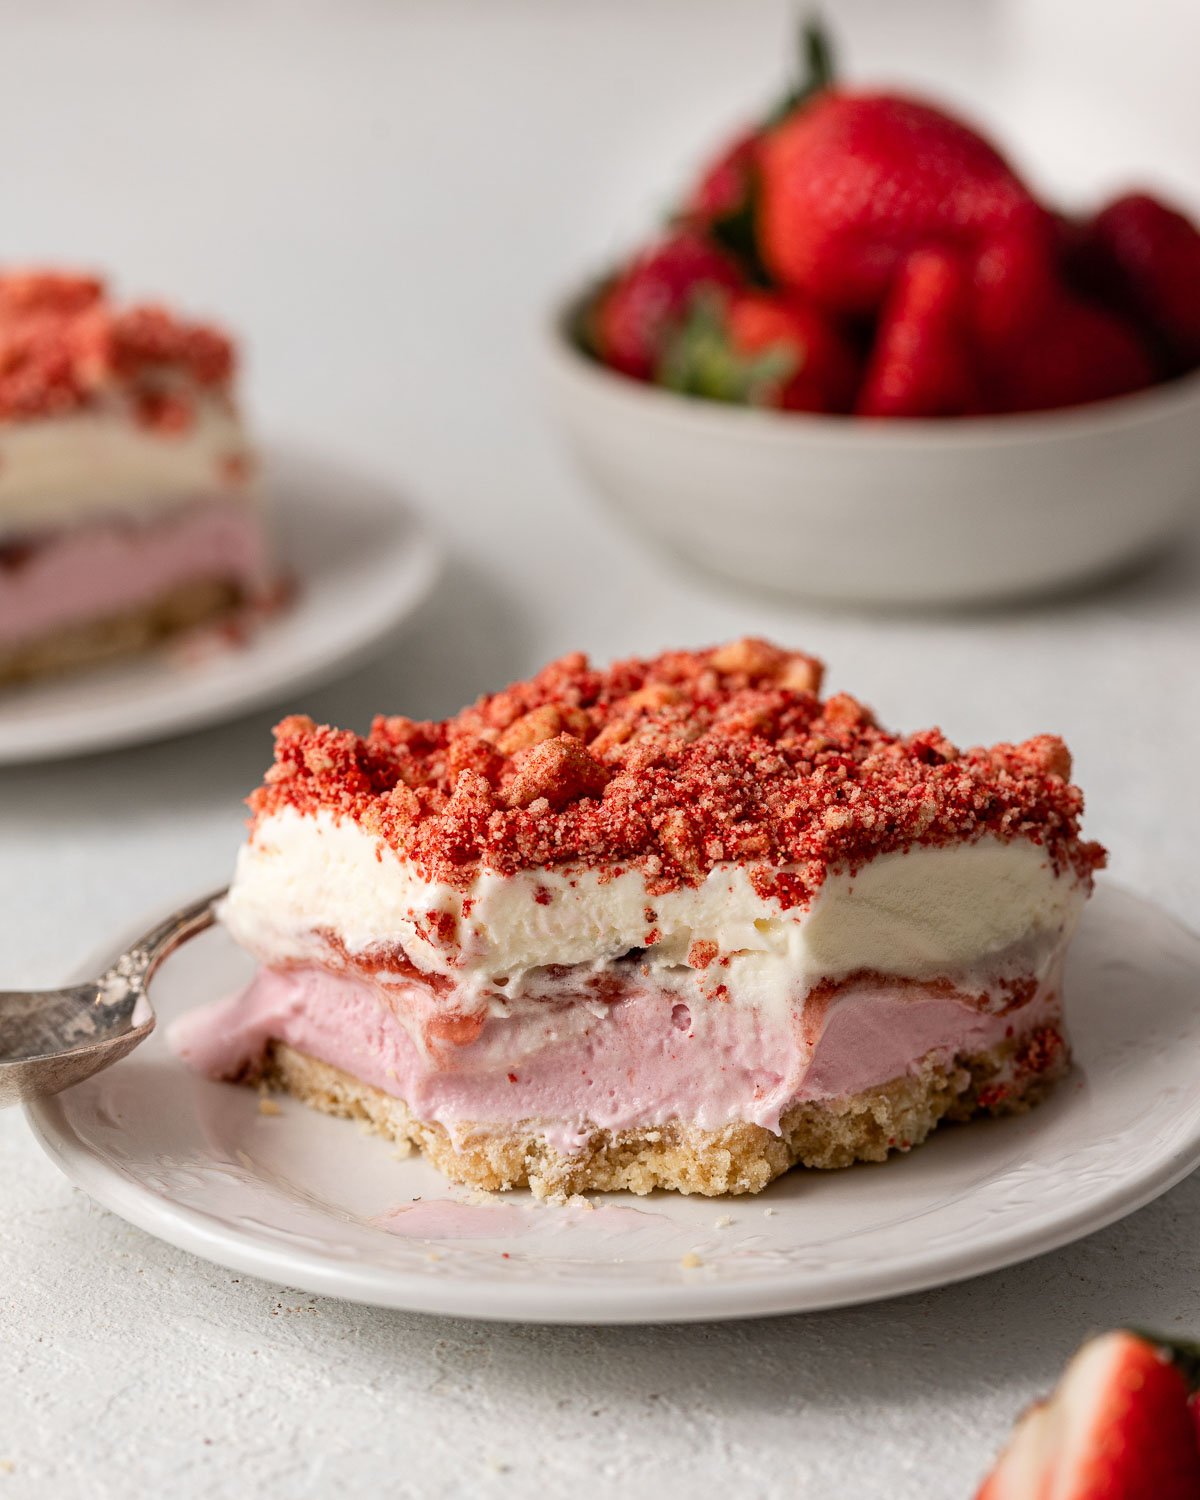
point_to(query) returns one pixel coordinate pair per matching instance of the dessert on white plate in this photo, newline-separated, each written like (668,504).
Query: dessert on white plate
(128,503)
(679,923)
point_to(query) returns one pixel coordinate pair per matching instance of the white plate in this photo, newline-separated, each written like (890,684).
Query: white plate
(362,561)
(295,1197)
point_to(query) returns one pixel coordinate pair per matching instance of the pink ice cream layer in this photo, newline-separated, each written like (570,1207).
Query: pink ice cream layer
(110,567)
(644,1059)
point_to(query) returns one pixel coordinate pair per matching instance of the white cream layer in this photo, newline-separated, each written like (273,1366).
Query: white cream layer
(99,462)
(971,912)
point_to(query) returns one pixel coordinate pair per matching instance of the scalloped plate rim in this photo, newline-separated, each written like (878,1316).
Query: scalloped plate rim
(689,1300)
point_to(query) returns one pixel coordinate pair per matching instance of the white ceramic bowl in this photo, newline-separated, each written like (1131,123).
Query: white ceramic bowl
(950,511)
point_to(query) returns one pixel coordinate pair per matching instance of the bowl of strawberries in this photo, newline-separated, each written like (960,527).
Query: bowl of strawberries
(865,362)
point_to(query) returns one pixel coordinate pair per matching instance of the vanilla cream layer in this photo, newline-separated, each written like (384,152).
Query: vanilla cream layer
(83,464)
(974,913)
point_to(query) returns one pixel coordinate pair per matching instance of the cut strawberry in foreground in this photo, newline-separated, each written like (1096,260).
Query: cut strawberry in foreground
(921,363)
(851,184)
(1117,1428)
(760,349)
(634,314)
(1144,256)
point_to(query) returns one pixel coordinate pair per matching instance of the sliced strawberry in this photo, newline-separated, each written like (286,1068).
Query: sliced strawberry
(851,184)
(634,314)
(921,364)
(1117,1428)
(1144,256)
(1079,353)
(760,349)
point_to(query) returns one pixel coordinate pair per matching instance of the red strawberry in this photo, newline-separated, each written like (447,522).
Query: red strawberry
(725,185)
(920,365)
(760,349)
(826,369)
(1144,256)
(634,314)
(1117,1428)
(1080,353)
(1014,284)
(852,183)
(722,200)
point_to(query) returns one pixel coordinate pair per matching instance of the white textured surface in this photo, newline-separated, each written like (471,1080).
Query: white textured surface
(417,178)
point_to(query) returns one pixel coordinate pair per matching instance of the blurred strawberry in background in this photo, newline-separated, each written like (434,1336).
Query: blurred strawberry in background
(1015,281)
(853,183)
(762,349)
(631,320)
(1080,353)
(727,186)
(724,200)
(1144,257)
(921,362)
(868,253)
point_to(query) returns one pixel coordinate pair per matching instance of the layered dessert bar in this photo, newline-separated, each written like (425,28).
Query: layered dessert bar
(676,924)
(128,507)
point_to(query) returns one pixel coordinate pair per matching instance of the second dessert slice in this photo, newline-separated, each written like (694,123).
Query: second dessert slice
(128,504)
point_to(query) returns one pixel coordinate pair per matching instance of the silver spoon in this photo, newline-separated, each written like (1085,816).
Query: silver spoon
(50,1039)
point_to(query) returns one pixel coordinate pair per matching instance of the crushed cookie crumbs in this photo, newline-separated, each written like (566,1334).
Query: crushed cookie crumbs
(65,346)
(673,765)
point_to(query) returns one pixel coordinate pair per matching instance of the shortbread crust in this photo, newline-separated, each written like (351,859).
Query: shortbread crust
(867,1127)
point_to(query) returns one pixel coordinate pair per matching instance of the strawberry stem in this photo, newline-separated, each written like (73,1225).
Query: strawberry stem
(699,360)
(815,73)
(817,52)
(1184,1355)
(737,233)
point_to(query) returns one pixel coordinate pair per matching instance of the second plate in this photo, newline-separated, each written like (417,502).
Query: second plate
(311,1202)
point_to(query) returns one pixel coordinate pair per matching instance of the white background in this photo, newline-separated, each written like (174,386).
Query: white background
(384,197)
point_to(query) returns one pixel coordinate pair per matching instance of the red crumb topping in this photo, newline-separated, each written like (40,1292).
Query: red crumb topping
(1042,1051)
(64,345)
(672,766)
